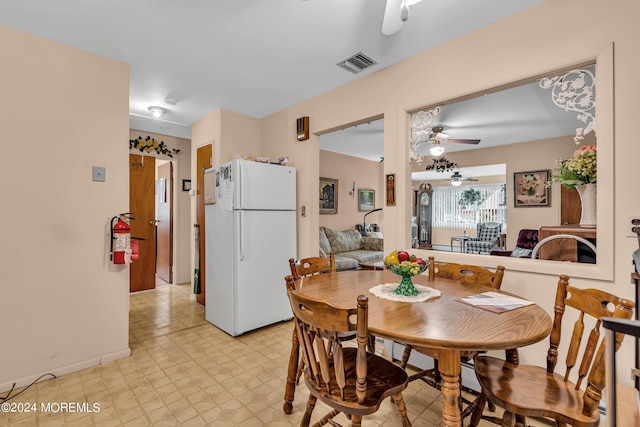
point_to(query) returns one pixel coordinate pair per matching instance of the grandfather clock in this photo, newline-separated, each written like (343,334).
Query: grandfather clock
(424,213)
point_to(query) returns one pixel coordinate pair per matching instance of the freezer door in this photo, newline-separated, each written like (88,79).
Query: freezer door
(265,242)
(263,186)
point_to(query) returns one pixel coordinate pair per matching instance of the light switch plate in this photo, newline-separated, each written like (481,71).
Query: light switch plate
(99,173)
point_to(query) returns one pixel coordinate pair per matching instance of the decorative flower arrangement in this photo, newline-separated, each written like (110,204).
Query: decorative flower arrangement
(150,144)
(580,169)
(529,183)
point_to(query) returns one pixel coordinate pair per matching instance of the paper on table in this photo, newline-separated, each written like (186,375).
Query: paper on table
(496,302)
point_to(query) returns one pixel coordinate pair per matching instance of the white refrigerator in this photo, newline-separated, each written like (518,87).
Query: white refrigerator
(250,232)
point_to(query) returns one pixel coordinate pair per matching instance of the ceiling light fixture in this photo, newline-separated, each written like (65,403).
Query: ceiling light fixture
(456,182)
(158,112)
(436,149)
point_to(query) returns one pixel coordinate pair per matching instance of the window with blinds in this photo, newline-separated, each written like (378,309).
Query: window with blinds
(465,206)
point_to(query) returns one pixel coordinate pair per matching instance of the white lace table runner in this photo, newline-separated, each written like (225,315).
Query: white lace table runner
(386,291)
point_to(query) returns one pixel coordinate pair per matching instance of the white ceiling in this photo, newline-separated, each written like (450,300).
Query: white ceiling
(522,113)
(254,57)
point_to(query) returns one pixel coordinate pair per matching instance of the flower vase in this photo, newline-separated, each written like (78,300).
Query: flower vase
(587,194)
(406,287)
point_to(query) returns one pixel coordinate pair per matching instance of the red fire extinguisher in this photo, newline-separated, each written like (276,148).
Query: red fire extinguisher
(120,240)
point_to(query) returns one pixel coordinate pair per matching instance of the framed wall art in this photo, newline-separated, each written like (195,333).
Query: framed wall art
(328,196)
(531,188)
(366,199)
(391,189)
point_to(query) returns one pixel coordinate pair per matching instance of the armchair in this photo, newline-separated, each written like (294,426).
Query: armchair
(527,240)
(487,236)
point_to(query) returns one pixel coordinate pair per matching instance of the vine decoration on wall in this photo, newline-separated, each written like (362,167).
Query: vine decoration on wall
(149,144)
(441,164)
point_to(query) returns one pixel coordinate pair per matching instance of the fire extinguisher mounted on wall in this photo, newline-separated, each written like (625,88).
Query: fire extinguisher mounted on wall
(121,239)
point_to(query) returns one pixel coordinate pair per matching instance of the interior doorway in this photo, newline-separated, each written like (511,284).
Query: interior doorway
(164,222)
(151,184)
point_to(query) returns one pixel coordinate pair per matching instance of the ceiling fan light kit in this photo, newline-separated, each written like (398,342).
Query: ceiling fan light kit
(158,112)
(457,178)
(436,149)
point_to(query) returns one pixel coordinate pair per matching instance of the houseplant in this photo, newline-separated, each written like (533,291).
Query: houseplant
(580,173)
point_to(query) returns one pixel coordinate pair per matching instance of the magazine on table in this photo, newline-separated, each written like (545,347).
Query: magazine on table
(495,301)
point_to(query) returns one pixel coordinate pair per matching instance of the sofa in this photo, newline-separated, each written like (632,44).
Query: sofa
(350,247)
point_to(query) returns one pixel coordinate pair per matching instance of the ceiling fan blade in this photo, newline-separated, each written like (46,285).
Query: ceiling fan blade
(391,23)
(463,141)
(469,179)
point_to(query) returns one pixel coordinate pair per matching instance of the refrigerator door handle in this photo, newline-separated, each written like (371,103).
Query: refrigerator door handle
(241,235)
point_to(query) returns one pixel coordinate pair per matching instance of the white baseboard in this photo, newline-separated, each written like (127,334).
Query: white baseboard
(64,370)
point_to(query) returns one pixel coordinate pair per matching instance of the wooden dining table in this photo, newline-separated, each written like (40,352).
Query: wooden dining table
(443,324)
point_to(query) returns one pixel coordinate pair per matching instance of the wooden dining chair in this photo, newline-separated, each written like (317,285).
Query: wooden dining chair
(349,380)
(464,273)
(302,268)
(313,265)
(535,391)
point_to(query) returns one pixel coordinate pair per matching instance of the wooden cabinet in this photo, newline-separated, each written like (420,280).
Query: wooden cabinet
(570,206)
(567,249)
(424,211)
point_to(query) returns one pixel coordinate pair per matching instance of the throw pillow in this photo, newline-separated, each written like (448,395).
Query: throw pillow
(343,241)
(324,242)
(521,252)
(323,254)
(377,234)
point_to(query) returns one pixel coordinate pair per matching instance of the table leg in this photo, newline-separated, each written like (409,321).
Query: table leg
(449,365)
(512,356)
(451,245)
(292,373)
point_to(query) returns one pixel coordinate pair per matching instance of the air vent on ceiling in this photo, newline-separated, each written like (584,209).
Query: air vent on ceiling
(357,63)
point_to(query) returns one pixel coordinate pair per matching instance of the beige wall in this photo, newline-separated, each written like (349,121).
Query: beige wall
(63,305)
(366,174)
(182,267)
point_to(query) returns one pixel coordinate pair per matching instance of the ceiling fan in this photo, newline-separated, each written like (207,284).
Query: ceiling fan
(396,13)
(457,178)
(437,136)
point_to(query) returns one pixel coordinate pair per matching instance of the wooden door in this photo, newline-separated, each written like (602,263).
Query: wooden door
(204,161)
(164,215)
(142,172)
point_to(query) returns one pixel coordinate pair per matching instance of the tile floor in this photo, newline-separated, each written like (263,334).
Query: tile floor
(183,371)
